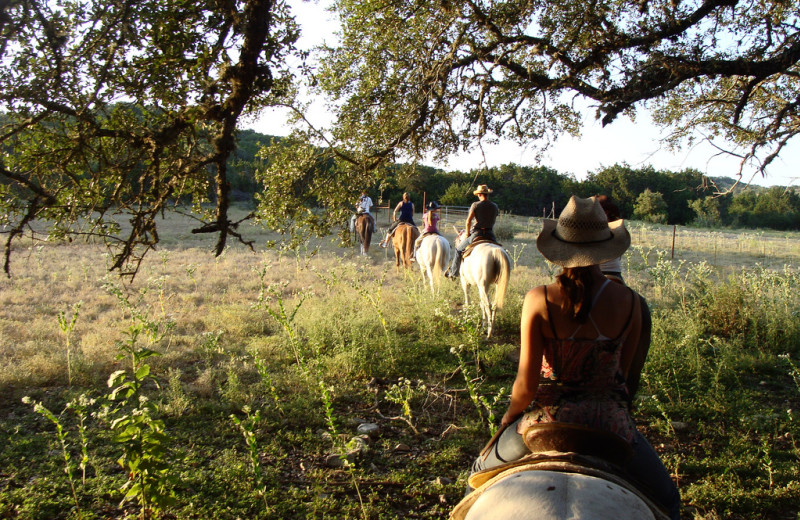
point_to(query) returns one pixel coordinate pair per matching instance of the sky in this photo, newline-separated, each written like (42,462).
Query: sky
(623,141)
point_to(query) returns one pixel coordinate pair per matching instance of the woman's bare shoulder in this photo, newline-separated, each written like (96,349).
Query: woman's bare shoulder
(535,298)
(619,290)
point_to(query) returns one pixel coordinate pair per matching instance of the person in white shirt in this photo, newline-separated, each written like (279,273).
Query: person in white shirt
(363,206)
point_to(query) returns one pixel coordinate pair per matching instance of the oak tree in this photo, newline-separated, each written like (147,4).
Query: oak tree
(112,111)
(412,78)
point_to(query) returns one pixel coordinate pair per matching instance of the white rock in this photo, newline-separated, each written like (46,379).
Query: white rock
(368,428)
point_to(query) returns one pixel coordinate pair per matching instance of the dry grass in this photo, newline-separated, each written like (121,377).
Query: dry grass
(183,283)
(215,327)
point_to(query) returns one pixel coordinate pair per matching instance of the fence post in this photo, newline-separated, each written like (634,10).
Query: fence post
(673,242)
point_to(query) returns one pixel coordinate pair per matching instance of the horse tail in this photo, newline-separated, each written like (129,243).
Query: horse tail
(504,265)
(409,245)
(440,261)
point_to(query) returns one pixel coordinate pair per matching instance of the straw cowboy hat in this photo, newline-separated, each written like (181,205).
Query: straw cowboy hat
(582,235)
(482,188)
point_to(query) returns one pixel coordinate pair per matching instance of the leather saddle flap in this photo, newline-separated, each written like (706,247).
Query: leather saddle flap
(577,438)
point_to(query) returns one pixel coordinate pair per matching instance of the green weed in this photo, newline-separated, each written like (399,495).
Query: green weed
(138,432)
(67,325)
(61,435)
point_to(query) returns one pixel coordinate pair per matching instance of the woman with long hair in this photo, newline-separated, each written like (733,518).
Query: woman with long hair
(579,338)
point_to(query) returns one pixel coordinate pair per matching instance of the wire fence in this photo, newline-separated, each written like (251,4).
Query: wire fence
(456,215)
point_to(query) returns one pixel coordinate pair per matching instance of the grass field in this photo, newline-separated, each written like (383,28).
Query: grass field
(320,384)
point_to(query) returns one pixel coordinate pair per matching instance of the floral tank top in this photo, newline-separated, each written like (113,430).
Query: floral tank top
(581,382)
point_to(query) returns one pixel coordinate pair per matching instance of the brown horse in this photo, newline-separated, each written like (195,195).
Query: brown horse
(364,232)
(403,242)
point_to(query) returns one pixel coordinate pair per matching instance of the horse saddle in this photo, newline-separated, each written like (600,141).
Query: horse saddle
(427,233)
(577,438)
(566,442)
(478,241)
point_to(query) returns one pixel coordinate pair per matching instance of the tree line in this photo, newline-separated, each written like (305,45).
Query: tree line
(685,197)
(407,79)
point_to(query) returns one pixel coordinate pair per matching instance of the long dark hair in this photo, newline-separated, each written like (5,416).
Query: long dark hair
(576,282)
(611,209)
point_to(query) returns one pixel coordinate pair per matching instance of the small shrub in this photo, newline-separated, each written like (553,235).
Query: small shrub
(504,229)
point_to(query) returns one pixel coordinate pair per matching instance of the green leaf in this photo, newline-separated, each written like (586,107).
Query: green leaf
(142,372)
(116,377)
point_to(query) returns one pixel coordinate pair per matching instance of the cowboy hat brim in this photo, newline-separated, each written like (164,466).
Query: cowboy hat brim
(582,254)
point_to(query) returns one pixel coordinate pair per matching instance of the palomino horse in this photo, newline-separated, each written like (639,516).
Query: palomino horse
(572,472)
(487,264)
(433,257)
(403,243)
(364,232)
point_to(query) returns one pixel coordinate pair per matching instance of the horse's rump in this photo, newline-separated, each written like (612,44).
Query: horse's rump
(403,240)
(555,492)
(553,486)
(364,231)
(433,256)
(497,269)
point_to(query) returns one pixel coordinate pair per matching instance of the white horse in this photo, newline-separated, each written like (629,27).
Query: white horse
(433,257)
(554,482)
(487,264)
(556,495)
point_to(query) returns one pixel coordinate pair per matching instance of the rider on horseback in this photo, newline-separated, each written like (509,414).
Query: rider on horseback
(430,222)
(579,337)
(484,213)
(362,208)
(406,209)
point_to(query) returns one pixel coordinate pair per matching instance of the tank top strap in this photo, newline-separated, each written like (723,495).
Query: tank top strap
(549,319)
(600,291)
(600,336)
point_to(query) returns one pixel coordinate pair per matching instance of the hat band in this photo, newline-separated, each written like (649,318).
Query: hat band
(555,235)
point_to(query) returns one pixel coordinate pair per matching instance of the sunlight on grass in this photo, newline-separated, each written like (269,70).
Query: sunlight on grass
(265,331)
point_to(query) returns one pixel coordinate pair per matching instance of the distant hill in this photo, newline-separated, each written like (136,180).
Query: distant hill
(725,183)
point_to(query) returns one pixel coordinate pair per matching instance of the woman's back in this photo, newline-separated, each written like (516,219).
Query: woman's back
(582,372)
(431,220)
(407,211)
(612,306)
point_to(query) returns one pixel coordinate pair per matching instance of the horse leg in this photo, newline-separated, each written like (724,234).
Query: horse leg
(424,267)
(492,313)
(486,314)
(429,270)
